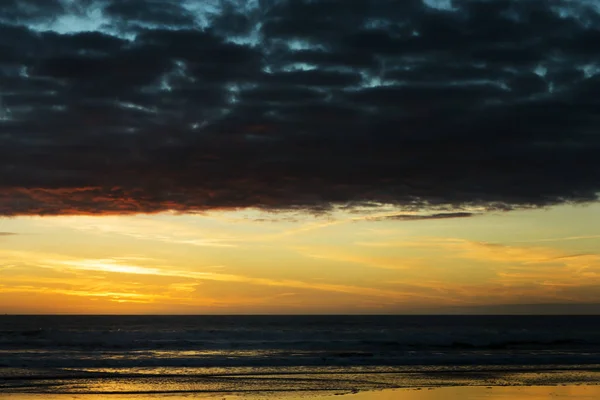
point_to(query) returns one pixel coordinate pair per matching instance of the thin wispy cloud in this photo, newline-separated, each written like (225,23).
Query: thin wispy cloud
(559,239)
(114,266)
(147,229)
(346,256)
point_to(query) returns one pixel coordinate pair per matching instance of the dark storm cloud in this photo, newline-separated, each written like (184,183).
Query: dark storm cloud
(145,106)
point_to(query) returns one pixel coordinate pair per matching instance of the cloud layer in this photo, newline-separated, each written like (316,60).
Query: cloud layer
(146,106)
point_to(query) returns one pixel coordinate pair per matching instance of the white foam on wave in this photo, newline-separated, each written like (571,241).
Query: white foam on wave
(58,342)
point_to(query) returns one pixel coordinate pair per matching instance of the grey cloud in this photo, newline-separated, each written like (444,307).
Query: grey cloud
(415,217)
(156,105)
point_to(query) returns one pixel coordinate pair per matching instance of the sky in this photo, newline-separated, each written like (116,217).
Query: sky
(296,156)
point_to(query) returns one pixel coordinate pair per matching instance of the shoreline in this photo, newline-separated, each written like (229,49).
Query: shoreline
(318,385)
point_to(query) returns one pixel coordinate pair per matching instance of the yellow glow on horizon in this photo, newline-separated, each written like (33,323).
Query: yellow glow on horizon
(248,262)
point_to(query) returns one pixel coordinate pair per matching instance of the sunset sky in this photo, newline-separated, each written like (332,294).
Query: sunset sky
(248,262)
(283,156)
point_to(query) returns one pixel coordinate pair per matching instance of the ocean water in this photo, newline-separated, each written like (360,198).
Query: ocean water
(199,354)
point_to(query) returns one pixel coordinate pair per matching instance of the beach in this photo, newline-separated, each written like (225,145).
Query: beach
(365,382)
(567,392)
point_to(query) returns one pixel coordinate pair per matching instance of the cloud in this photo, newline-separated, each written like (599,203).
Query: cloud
(7,233)
(548,269)
(332,254)
(128,266)
(136,268)
(417,217)
(490,251)
(146,229)
(116,108)
(561,239)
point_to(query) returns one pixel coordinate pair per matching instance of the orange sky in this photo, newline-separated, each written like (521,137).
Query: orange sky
(252,262)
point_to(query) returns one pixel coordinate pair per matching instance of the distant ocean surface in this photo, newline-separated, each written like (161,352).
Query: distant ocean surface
(139,354)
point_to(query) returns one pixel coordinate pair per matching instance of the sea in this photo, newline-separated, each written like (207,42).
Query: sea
(158,355)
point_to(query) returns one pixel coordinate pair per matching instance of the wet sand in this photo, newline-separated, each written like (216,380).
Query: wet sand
(365,384)
(489,393)
(565,392)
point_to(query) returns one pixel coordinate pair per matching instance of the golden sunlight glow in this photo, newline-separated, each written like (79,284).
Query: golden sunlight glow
(485,393)
(589,392)
(251,262)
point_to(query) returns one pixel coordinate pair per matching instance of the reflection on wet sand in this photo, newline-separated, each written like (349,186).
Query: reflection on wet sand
(488,393)
(583,392)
